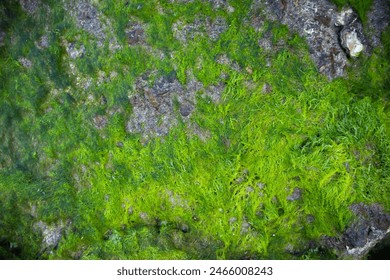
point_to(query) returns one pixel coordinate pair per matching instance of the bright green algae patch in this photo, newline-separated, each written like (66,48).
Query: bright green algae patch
(278,129)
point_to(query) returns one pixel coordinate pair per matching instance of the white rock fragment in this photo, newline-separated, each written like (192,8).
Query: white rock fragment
(351,42)
(343,17)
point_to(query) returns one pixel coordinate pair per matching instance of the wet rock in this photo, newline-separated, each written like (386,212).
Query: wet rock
(92,21)
(351,42)
(43,42)
(87,17)
(378,20)
(186,109)
(351,34)
(245,227)
(313,20)
(186,32)
(74,51)
(29,6)
(100,121)
(2,38)
(310,219)
(154,111)
(296,194)
(266,89)
(184,228)
(51,234)
(371,225)
(135,34)
(215,28)
(381,251)
(26,63)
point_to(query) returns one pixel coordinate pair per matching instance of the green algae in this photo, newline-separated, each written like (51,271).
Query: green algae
(180,196)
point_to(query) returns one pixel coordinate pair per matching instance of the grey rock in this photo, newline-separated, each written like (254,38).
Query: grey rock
(315,21)
(181,1)
(296,195)
(100,121)
(186,32)
(378,21)
(266,89)
(73,51)
(215,92)
(154,104)
(51,234)
(184,228)
(350,41)
(371,225)
(87,17)
(153,109)
(92,21)
(43,42)
(245,227)
(186,109)
(345,17)
(135,33)
(219,4)
(310,219)
(29,6)
(26,63)
(216,28)
(2,38)
(351,34)
(265,43)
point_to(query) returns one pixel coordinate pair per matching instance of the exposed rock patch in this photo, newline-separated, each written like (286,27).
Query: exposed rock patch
(370,227)
(295,195)
(2,38)
(43,42)
(185,32)
(378,20)
(315,21)
(351,34)
(51,234)
(153,105)
(26,63)
(135,33)
(158,105)
(29,6)
(332,36)
(100,121)
(74,51)
(92,21)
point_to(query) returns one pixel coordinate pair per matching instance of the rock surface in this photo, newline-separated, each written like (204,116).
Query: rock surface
(315,21)
(371,225)
(92,21)
(2,38)
(332,35)
(378,21)
(51,234)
